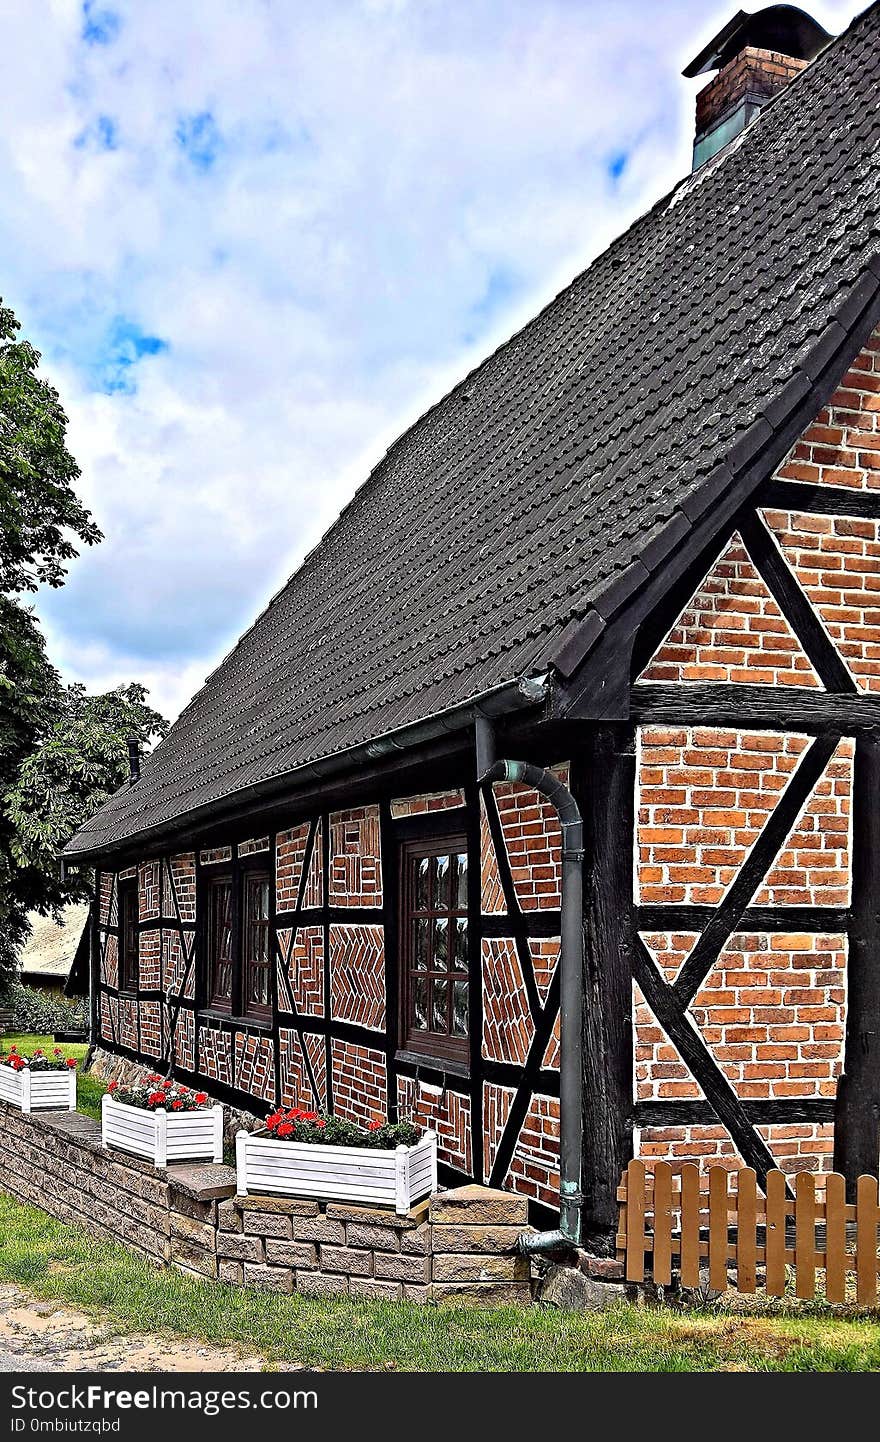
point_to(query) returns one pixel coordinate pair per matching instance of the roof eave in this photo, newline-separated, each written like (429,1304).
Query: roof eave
(524,693)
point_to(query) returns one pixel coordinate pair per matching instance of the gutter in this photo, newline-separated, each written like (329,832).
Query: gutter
(526,692)
(571,1004)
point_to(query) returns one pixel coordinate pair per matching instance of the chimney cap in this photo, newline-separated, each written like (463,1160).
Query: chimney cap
(785,28)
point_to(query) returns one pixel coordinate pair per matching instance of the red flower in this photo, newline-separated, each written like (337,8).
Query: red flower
(112,1087)
(38,1052)
(176,1106)
(319,1123)
(71,1062)
(201,1098)
(285,1129)
(13,1049)
(374,1126)
(156,1099)
(167,1085)
(308,1116)
(56,1051)
(154,1077)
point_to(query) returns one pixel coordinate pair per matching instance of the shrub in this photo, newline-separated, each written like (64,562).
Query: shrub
(37,1012)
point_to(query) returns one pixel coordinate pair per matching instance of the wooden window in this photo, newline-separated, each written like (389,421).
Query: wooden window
(220,943)
(236,944)
(129,967)
(434,947)
(256,951)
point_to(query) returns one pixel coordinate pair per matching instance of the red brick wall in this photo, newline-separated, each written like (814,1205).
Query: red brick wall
(772,1010)
(355,858)
(360,1082)
(448,1113)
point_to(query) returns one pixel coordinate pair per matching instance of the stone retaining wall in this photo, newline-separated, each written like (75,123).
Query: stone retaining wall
(459,1246)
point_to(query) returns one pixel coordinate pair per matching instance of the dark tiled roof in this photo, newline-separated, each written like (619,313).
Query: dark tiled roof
(524,495)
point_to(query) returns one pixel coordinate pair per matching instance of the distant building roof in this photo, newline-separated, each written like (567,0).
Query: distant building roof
(49,951)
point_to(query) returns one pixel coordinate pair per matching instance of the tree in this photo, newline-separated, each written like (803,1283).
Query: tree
(39,511)
(82,759)
(61,752)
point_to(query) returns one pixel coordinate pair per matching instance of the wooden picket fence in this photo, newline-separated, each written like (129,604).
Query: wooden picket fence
(686,1220)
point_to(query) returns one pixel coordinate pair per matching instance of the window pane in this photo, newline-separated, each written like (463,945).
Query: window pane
(460,1008)
(460,956)
(221,941)
(441,941)
(421,934)
(420,892)
(438,1013)
(441,882)
(460,899)
(420,1003)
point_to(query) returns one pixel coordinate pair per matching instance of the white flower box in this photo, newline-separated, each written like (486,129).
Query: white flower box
(39,1090)
(377,1178)
(161,1136)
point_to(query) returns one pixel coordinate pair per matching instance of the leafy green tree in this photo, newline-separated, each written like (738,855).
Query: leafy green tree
(39,511)
(61,752)
(81,760)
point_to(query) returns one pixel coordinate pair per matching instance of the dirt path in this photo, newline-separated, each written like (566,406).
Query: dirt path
(37,1336)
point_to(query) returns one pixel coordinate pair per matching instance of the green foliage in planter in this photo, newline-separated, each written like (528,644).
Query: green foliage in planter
(325,1129)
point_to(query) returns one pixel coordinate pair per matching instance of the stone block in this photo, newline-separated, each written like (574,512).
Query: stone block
(239,1248)
(385,1239)
(268,1279)
(475,1238)
(373,1291)
(292,1206)
(374,1216)
(473,1204)
(318,1229)
(291,1254)
(397,1266)
(319,1284)
(482,1294)
(193,1259)
(412,1292)
(418,1242)
(346,1259)
(229,1218)
(200,1233)
(231,1272)
(478,1267)
(267,1224)
(205,1181)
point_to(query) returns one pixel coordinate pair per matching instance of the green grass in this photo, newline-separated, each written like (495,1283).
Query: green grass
(89,1089)
(53,1260)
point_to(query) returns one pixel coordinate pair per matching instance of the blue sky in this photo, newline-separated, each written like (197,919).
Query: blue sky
(253,239)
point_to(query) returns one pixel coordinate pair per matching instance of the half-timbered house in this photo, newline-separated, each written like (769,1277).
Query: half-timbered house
(639,548)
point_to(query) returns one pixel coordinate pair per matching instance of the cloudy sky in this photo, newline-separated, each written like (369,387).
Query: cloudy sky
(253,239)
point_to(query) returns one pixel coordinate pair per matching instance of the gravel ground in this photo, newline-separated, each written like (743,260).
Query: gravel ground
(37,1336)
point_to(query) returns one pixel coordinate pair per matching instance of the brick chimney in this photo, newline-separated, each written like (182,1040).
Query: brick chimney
(755,56)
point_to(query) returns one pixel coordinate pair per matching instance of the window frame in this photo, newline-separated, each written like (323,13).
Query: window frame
(439,1047)
(239,876)
(249,877)
(214,1002)
(129,960)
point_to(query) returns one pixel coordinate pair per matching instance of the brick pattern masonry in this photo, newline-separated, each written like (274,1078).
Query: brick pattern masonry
(459,1246)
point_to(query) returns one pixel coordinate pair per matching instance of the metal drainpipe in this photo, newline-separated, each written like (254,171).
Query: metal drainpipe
(571,1001)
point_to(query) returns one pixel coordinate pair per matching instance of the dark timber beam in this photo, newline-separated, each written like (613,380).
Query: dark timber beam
(754,708)
(857,1117)
(603,781)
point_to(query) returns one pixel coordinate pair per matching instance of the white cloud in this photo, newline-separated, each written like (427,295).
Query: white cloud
(326,213)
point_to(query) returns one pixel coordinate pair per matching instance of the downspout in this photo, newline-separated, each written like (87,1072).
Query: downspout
(571,1001)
